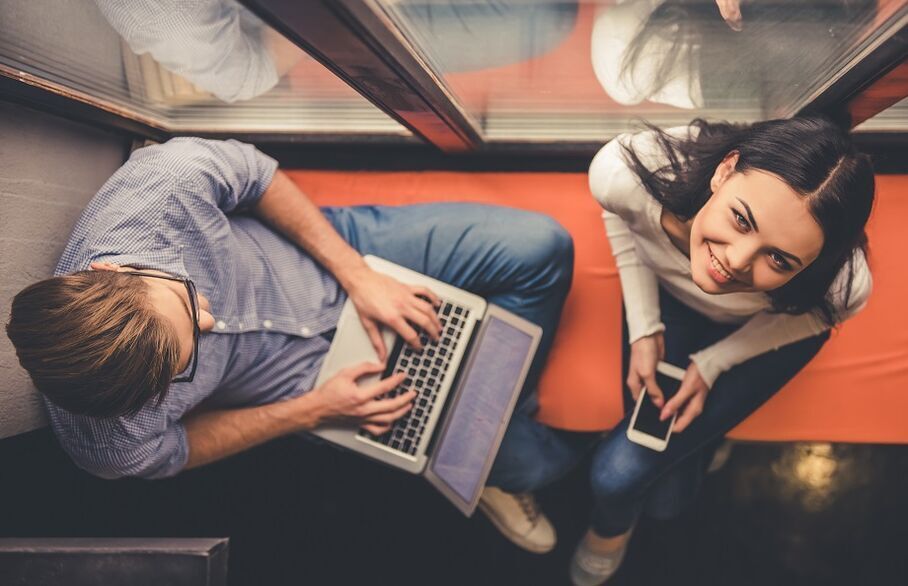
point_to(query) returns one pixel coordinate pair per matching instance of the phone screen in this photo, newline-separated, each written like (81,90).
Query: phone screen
(648,417)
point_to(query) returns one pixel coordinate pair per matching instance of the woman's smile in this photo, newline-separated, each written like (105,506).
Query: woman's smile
(716,270)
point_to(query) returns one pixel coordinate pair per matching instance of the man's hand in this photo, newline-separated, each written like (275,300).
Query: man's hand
(689,399)
(645,354)
(380,299)
(341,398)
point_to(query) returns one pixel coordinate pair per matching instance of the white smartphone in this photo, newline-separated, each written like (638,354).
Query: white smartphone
(645,428)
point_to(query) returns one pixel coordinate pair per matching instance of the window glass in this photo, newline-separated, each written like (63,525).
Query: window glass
(206,65)
(575,70)
(892,119)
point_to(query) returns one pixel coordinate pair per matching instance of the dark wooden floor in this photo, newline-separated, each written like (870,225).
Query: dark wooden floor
(781,514)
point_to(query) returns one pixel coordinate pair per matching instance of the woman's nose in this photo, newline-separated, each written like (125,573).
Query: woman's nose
(739,258)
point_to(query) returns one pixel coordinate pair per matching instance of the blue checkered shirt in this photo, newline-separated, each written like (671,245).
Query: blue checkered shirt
(179,208)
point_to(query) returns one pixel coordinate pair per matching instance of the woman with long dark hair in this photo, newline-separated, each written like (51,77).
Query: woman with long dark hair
(738,248)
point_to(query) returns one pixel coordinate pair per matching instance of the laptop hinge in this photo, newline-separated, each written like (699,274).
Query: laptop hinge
(464,366)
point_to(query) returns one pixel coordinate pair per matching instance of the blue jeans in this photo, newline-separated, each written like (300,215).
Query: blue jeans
(627,478)
(518,260)
(470,36)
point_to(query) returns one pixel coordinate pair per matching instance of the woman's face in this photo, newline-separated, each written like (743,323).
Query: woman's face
(754,234)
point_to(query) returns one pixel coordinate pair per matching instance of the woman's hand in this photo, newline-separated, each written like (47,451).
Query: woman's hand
(645,355)
(731,13)
(688,401)
(340,398)
(380,299)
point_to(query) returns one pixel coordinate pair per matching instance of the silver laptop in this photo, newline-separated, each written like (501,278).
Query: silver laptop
(467,384)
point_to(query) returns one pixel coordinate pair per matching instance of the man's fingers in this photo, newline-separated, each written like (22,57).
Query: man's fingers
(391,405)
(427,293)
(360,370)
(385,385)
(426,309)
(376,338)
(406,332)
(424,322)
(389,417)
(376,429)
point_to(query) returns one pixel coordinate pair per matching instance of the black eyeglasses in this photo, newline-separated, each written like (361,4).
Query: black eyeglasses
(194,314)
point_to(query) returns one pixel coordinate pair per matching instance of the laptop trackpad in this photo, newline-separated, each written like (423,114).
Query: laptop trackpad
(353,347)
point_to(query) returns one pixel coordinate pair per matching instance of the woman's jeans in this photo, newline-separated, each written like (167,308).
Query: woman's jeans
(627,478)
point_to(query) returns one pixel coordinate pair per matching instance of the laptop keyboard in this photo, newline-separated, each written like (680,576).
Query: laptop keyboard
(425,370)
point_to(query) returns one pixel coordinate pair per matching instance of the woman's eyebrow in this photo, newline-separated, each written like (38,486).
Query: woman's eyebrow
(750,215)
(791,256)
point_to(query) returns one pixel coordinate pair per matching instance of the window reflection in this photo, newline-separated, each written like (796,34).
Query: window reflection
(684,53)
(185,65)
(217,45)
(566,69)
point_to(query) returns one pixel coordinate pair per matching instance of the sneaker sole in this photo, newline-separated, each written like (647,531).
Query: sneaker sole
(515,538)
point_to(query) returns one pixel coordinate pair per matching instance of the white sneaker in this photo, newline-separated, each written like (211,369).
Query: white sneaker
(519,518)
(590,568)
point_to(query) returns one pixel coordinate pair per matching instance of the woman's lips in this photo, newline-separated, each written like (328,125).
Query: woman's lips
(716,271)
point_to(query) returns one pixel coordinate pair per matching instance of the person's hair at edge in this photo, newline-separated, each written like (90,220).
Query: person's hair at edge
(812,155)
(93,344)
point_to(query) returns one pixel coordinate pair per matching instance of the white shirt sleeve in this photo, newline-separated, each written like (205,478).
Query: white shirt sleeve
(769,331)
(612,182)
(215,44)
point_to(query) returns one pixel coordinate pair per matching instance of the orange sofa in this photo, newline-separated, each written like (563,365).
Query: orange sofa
(856,390)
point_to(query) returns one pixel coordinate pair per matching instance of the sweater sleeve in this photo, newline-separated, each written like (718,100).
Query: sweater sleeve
(613,183)
(769,331)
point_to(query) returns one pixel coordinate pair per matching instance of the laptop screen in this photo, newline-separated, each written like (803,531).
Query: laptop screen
(464,449)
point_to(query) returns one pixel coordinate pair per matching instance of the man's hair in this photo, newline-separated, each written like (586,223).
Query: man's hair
(92,342)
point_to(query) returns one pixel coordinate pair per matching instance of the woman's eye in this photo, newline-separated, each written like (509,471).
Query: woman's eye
(779,261)
(740,220)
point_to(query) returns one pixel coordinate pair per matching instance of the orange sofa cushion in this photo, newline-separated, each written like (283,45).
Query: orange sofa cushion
(855,390)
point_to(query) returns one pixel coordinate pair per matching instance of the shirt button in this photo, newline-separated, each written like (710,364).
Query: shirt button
(267,323)
(305,331)
(221,325)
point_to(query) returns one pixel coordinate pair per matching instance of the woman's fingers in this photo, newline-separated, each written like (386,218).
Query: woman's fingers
(634,384)
(653,390)
(731,13)
(690,412)
(685,392)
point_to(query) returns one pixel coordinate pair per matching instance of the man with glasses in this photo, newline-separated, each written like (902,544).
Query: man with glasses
(197,296)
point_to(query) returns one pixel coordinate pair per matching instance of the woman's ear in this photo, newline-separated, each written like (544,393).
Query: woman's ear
(725,170)
(104,266)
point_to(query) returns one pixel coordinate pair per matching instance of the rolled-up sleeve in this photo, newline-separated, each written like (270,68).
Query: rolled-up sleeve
(230,174)
(144,446)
